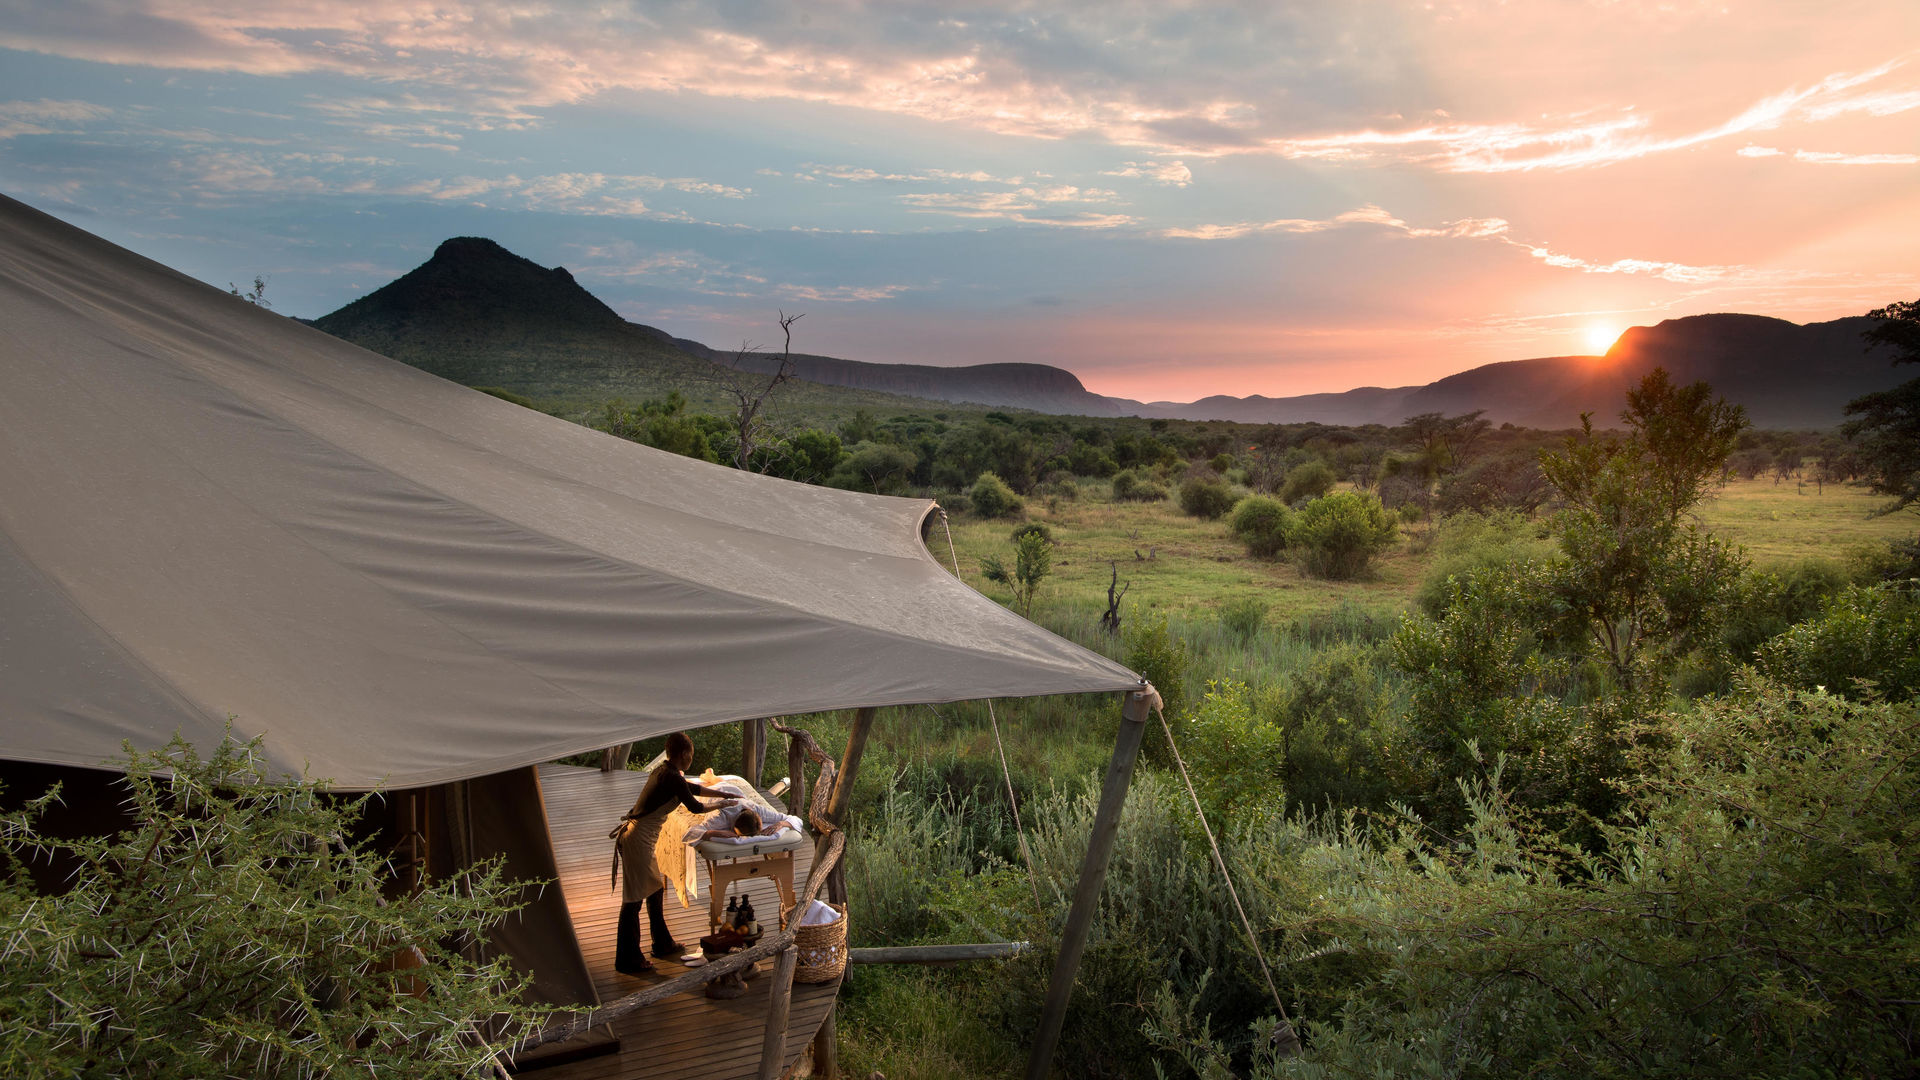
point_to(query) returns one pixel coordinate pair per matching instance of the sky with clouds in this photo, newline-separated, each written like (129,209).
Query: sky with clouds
(1170,199)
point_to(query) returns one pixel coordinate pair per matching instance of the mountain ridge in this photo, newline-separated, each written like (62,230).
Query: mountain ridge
(480,314)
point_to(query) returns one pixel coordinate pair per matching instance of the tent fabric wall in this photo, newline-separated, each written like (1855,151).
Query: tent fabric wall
(209,511)
(509,821)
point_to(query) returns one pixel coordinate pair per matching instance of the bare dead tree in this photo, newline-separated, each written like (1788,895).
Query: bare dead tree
(751,392)
(1110,622)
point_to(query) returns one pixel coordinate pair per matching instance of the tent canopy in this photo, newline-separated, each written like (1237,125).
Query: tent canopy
(209,510)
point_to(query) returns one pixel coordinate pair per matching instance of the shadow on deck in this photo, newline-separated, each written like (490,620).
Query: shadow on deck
(687,1035)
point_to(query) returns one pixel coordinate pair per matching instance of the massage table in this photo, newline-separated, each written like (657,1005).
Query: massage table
(731,859)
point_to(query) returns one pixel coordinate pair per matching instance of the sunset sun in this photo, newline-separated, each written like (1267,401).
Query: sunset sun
(1600,337)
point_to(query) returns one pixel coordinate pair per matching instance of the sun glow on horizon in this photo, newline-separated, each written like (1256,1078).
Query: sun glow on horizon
(1600,337)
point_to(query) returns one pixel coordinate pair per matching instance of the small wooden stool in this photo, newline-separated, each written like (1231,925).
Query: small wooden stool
(722,873)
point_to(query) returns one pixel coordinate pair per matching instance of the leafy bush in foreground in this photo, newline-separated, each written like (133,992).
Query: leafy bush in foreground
(228,933)
(1870,634)
(1754,916)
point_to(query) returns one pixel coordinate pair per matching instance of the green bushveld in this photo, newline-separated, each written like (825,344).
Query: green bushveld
(1550,787)
(1576,755)
(1532,826)
(237,928)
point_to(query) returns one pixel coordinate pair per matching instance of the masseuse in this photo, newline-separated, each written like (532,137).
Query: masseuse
(642,881)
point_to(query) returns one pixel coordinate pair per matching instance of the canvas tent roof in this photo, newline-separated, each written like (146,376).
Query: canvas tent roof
(208,510)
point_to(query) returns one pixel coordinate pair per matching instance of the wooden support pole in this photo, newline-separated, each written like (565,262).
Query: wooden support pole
(797,777)
(459,822)
(753,749)
(826,1047)
(843,794)
(773,1048)
(1093,877)
(850,766)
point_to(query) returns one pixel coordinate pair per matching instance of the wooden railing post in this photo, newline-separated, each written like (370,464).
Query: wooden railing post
(773,1048)
(826,1047)
(1093,877)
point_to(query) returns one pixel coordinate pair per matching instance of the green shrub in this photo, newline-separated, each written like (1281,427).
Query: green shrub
(992,498)
(1341,533)
(1221,463)
(1469,541)
(1339,720)
(1031,528)
(1235,758)
(194,942)
(1156,654)
(1243,617)
(1308,481)
(1032,562)
(1753,916)
(1772,601)
(1061,486)
(1861,633)
(1263,523)
(1206,499)
(1163,921)
(1135,485)
(879,468)
(1085,459)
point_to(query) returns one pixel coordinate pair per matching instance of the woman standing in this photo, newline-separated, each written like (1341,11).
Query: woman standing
(643,882)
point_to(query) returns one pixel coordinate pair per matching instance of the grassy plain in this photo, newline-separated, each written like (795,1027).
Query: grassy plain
(1795,520)
(1187,568)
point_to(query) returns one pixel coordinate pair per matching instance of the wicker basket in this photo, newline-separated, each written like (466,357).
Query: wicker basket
(822,949)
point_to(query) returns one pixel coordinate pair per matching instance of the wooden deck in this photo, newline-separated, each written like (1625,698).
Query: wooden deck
(688,1035)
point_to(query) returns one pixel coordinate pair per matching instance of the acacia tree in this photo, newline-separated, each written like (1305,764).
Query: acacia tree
(1634,588)
(1887,427)
(1638,581)
(234,930)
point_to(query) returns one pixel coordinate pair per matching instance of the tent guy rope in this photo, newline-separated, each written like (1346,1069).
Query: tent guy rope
(1284,1039)
(1006,774)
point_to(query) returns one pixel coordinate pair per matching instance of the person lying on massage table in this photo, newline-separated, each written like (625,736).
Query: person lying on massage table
(745,823)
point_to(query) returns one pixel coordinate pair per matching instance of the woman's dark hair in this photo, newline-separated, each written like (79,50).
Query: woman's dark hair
(677,744)
(747,817)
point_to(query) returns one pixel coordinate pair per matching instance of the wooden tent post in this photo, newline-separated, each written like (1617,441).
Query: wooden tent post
(1093,876)
(796,777)
(753,749)
(842,795)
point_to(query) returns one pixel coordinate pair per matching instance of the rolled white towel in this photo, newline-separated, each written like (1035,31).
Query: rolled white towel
(819,913)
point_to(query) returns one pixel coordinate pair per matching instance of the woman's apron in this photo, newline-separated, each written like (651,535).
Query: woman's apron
(633,843)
